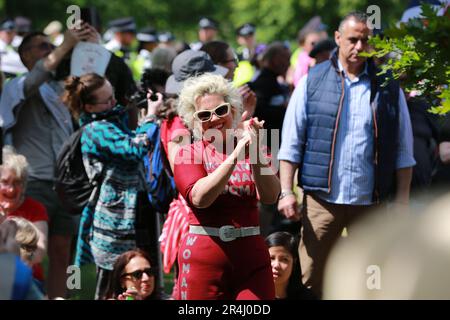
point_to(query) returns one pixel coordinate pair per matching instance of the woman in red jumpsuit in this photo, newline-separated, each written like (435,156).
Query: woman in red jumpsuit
(223,256)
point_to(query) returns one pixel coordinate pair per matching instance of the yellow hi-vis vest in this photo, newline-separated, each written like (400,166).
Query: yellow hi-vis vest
(243,73)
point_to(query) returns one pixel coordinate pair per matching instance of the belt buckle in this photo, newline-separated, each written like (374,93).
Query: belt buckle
(226,233)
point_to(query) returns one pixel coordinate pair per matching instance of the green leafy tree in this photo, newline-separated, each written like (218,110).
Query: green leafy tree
(276,20)
(281,20)
(418,53)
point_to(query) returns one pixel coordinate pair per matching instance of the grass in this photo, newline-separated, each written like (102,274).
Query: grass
(88,279)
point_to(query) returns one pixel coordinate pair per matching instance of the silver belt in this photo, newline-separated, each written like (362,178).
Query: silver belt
(225,233)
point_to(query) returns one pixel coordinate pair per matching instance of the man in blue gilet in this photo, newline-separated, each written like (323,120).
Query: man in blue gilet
(351,139)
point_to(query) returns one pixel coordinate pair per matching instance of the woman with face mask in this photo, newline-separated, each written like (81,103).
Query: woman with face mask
(114,153)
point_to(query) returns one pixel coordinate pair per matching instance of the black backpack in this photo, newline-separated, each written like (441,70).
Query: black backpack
(72,183)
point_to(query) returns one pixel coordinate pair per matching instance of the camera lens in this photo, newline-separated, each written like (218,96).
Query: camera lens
(154,97)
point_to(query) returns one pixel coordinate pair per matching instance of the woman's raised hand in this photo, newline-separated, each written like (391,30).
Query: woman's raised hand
(249,134)
(152,106)
(248,99)
(255,127)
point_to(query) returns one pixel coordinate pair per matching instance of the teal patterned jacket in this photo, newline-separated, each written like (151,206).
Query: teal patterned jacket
(107,225)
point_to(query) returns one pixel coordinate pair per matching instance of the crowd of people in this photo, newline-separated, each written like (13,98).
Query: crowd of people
(275,155)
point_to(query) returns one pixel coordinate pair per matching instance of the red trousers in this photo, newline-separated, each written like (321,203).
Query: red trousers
(235,270)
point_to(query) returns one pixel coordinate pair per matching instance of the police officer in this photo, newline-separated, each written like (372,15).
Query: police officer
(246,39)
(148,40)
(124,30)
(207,32)
(10,63)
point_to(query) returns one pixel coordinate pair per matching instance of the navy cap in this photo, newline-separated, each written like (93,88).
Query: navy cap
(207,23)
(321,46)
(246,29)
(7,24)
(147,34)
(165,36)
(123,25)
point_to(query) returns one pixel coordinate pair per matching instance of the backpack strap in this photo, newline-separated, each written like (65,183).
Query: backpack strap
(98,179)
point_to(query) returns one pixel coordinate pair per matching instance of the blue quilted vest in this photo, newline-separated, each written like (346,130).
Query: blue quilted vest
(325,90)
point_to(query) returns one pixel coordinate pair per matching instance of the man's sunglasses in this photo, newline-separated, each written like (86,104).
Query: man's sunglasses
(137,274)
(220,111)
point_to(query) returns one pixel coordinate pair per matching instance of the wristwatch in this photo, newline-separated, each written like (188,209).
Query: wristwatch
(285,193)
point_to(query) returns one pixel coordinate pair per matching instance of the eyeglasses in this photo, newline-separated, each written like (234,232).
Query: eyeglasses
(111,100)
(137,274)
(220,111)
(15,184)
(235,59)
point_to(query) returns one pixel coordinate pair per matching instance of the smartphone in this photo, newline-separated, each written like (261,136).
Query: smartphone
(91,16)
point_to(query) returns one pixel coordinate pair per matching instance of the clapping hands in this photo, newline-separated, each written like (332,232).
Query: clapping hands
(249,136)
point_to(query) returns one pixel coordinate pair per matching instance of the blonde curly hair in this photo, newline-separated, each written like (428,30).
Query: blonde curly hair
(200,86)
(27,237)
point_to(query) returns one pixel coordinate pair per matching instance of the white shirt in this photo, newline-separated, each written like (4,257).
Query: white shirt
(10,60)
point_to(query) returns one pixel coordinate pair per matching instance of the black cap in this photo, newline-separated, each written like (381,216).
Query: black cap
(147,34)
(323,45)
(207,23)
(7,24)
(246,29)
(123,25)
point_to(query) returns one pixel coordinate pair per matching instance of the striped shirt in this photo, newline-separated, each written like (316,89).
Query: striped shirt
(353,170)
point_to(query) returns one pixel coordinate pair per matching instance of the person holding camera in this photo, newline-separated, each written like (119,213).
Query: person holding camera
(37,123)
(110,150)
